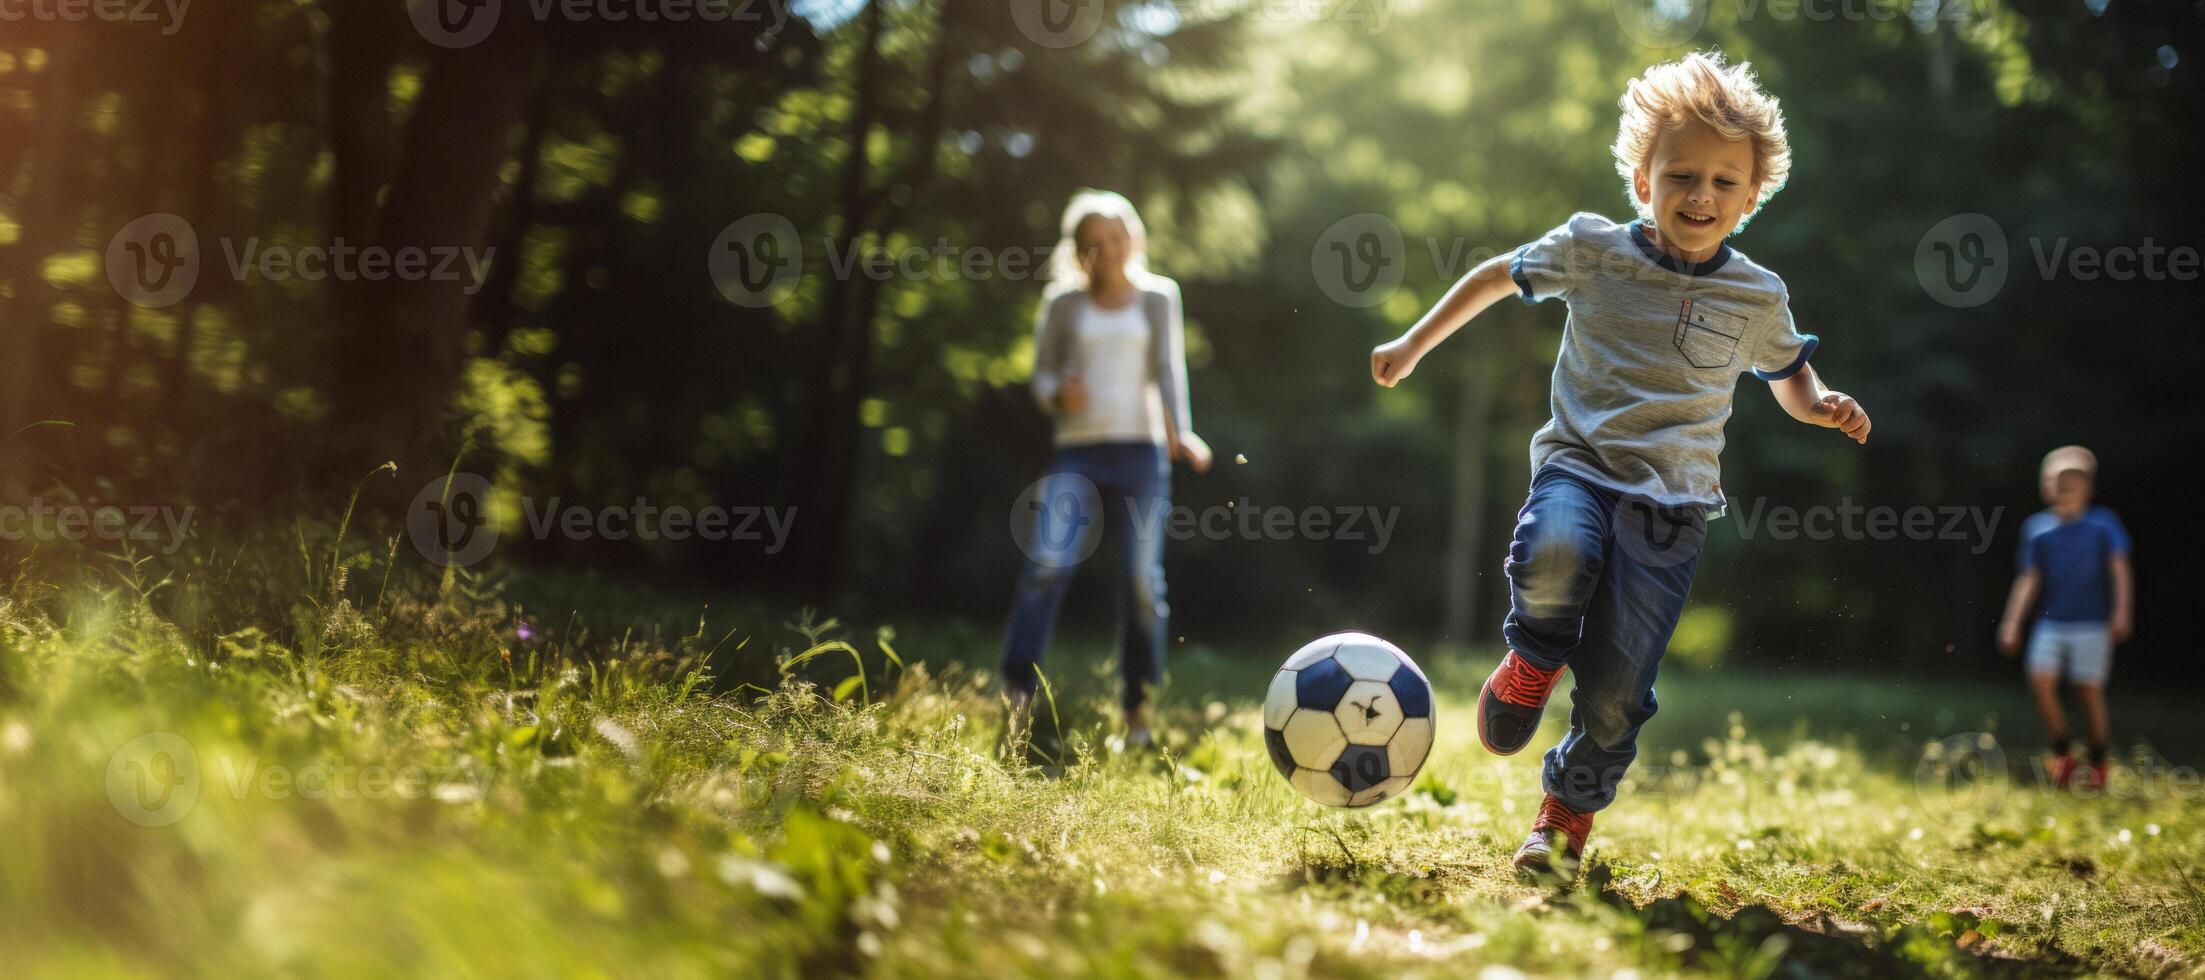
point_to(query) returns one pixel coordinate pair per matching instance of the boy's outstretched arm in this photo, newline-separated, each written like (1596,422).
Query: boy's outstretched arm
(2018,600)
(1804,398)
(2124,598)
(1482,287)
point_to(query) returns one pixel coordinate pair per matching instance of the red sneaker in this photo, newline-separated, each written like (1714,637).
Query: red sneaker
(1556,823)
(2061,769)
(2090,776)
(1510,705)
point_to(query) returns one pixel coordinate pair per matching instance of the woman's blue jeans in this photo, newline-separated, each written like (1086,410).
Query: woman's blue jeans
(1119,489)
(1597,582)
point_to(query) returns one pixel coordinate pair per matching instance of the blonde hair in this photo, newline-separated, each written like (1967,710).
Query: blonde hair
(1726,97)
(1065,272)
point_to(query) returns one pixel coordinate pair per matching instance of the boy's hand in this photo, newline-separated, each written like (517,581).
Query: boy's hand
(1839,411)
(2009,639)
(2121,628)
(1072,398)
(1391,362)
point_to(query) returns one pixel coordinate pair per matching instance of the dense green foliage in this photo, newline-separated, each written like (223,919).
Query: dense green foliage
(600,362)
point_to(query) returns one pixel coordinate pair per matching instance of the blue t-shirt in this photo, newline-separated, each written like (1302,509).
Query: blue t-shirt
(2072,559)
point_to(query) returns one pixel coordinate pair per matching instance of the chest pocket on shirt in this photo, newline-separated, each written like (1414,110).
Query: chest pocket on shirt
(1706,336)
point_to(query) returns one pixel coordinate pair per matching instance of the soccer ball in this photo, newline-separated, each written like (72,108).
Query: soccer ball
(1348,720)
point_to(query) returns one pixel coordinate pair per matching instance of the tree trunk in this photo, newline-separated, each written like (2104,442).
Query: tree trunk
(216,72)
(494,306)
(829,467)
(361,45)
(406,353)
(840,378)
(46,228)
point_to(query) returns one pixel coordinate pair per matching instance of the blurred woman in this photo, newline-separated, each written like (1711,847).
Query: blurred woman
(1110,369)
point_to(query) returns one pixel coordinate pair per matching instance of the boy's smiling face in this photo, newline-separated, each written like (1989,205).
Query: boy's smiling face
(1698,185)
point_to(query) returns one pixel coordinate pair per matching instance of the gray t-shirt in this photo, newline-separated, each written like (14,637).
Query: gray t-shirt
(1651,353)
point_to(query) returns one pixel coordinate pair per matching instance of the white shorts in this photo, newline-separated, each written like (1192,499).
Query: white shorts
(2085,648)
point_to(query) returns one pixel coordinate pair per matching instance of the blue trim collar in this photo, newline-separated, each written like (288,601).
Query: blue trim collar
(1665,260)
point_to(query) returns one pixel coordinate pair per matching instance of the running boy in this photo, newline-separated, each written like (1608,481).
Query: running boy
(2074,556)
(1663,317)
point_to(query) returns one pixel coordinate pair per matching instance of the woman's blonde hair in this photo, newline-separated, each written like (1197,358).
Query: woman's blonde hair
(1726,97)
(1064,263)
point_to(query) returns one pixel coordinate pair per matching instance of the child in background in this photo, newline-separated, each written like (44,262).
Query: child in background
(2074,558)
(1663,318)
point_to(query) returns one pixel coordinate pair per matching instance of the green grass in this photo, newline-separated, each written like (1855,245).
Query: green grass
(595,800)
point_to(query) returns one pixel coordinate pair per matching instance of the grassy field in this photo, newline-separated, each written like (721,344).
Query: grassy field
(279,766)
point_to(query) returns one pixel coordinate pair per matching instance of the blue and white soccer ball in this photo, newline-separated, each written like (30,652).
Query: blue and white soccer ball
(1348,720)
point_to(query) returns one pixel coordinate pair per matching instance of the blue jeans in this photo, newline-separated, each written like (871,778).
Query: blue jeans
(1597,582)
(1123,489)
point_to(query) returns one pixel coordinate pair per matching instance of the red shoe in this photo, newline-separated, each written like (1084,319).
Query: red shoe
(1510,705)
(2061,769)
(1556,822)
(2091,776)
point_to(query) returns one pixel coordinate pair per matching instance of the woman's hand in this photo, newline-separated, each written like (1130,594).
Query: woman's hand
(1072,397)
(1196,452)
(1391,362)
